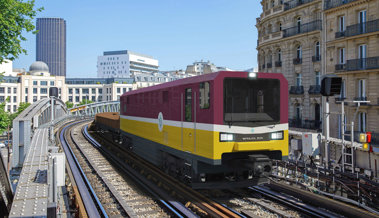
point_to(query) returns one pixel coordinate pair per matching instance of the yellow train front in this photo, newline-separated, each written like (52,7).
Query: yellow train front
(217,130)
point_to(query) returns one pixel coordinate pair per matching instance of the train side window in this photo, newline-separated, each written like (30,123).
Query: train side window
(188,105)
(204,95)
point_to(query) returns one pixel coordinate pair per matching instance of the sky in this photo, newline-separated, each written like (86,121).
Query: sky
(175,32)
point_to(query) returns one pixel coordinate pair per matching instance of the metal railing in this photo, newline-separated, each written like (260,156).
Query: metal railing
(340,67)
(269,65)
(278,64)
(305,124)
(304,28)
(335,3)
(297,61)
(340,34)
(297,90)
(338,100)
(294,3)
(314,89)
(316,58)
(363,64)
(362,28)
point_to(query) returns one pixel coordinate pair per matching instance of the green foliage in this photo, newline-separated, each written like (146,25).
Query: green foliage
(6,118)
(21,108)
(69,104)
(16,18)
(85,101)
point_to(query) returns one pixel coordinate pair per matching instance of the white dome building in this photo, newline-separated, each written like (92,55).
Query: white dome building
(39,68)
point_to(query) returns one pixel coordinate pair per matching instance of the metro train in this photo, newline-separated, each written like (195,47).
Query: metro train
(217,130)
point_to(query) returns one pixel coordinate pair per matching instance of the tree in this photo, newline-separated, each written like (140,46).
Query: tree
(69,104)
(5,120)
(21,108)
(16,17)
(85,101)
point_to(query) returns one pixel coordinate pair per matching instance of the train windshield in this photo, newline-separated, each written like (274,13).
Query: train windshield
(251,102)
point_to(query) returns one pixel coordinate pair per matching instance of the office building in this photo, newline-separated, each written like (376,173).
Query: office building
(125,64)
(51,44)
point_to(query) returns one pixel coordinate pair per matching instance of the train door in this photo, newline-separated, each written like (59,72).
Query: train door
(188,120)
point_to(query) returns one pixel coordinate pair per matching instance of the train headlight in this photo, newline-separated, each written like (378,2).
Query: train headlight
(252,75)
(277,135)
(226,137)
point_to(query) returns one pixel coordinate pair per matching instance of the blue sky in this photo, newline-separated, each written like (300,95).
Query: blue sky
(176,32)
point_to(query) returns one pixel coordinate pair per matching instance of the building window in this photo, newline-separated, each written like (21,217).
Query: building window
(298,23)
(93,91)
(298,52)
(70,91)
(298,112)
(343,89)
(14,108)
(318,78)
(317,49)
(77,99)
(342,56)
(93,98)
(14,90)
(9,108)
(77,91)
(2,89)
(35,83)
(51,83)
(341,24)
(362,88)
(2,98)
(204,95)
(59,91)
(43,83)
(14,99)
(26,90)
(280,26)
(188,105)
(85,91)
(298,79)
(279,55)
(70,98)
(362,122)
(100,91)
(26,98)
(124,90)
(34,98)
(35,91)
(43,90)
(118,90)
(9,90)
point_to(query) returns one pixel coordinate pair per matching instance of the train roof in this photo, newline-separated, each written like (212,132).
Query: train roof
(197,79)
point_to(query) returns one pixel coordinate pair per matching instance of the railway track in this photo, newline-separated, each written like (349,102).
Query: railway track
(119,196)
(179,193)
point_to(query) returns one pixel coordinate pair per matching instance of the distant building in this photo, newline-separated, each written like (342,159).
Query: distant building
(125,64)
(51,44)
(203,67)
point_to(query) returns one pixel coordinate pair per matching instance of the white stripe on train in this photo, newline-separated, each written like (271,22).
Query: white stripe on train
(212,127)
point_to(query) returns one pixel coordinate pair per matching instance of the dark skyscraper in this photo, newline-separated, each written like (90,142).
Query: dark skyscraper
(51,44)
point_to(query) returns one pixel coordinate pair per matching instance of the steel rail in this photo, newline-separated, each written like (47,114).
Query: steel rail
(173,206)
(192,197)
(304,208)
(91,202)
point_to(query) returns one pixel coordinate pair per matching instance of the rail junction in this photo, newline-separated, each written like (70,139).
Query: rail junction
(62,167)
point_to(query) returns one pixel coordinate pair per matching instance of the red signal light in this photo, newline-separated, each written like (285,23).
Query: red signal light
(368,137)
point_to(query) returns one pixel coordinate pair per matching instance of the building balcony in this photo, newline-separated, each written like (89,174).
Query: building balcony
(304,28)
(314,90)
(297,61)
(316,58)
(340,67)
(278,64)
(271,36)
(294,3)
(339,99)
(272,11)
(362,64)
(335,3)
(269,65)
(297,90)
(340,34)
(362,28)
(305,124)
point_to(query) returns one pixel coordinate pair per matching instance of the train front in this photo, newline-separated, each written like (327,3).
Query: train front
(254,126)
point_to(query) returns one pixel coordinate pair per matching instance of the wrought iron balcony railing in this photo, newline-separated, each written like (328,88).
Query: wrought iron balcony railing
(297,61)
(340,67)
(269,65)
(314,89)
(305,124)
(297,90)
(278,64)
(340,34)
(362,64)
(294,3)
(304,28)
(316,58)
(362,28)
(335,3)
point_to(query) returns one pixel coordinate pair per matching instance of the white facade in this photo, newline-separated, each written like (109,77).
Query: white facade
(124,64)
